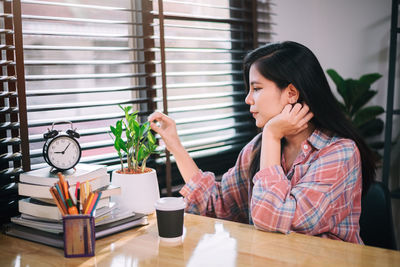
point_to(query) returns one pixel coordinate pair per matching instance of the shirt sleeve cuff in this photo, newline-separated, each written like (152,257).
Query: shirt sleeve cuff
(200,179)
(274,174)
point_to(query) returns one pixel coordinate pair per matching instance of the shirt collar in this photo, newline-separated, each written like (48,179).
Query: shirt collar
(319,139)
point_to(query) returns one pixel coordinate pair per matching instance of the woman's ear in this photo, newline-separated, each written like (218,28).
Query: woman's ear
(292,94)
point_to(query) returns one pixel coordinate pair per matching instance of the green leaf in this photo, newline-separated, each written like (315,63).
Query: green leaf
(362,93)
(143,152)
(136,128)
(367,114)
(125,109)
(122,145)
(370,78)
(153,148)
(146,126)
(116,146)
(114,131)
(376,145)
(151,138)
(141,131)
(119,126)
(340,85)
(352,87)
(117,130)
(132,118)
(362,100)
(371,128)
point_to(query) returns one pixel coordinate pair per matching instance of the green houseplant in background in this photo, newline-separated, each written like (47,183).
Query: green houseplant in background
(356,93)
(139,184)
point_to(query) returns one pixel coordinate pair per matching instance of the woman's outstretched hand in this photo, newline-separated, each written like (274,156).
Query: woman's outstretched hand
(166,128)
(292,120)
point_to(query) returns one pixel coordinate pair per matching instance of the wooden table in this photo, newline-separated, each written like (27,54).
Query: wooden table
(206,242)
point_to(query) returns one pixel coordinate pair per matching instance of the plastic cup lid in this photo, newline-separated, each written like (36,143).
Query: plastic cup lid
(170,203)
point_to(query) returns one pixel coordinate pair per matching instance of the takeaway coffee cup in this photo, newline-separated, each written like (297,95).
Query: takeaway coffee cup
(169,212)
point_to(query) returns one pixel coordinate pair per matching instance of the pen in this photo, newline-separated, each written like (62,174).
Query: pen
(78,201)
(95,204)
(76,189)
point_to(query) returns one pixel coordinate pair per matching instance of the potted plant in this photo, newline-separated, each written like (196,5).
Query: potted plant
(356,93)
(139,184)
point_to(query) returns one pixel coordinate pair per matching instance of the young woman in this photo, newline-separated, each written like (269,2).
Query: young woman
(306,170)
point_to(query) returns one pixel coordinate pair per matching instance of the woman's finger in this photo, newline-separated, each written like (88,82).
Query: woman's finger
(158,116)
(306,118)
(303,111)
(155,127)
(287,109)
(296,108)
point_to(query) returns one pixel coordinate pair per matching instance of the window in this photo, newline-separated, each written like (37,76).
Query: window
(83,58)
(205,42)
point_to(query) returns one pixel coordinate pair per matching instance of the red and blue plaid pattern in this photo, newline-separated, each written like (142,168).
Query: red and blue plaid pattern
(320,195)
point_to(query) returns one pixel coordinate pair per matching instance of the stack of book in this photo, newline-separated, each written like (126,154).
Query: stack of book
(41,220)
(50,233)
(36,186)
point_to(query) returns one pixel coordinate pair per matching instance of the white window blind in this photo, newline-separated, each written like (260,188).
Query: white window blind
(84,57)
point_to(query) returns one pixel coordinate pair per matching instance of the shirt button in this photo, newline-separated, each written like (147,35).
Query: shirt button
(305,147)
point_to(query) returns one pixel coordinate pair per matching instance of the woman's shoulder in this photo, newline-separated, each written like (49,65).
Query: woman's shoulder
(247,151)
(339,147)
(253,142)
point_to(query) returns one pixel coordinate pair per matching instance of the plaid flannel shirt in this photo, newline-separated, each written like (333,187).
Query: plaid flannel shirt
(320,195)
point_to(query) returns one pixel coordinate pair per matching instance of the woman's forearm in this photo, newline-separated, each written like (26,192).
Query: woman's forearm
(186,165)
(270,150)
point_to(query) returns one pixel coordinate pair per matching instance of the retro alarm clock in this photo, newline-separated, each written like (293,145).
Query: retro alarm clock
(61,150)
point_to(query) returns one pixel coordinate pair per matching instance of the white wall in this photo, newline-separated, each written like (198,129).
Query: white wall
(350,36)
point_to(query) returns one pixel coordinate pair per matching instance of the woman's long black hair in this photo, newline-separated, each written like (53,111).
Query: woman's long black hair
(292,63)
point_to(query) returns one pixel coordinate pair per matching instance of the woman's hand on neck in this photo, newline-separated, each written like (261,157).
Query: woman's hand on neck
(291,123)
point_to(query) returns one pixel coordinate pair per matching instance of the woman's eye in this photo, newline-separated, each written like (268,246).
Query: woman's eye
(256,89)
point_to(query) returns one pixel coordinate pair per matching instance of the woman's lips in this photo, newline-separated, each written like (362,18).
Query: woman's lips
(254,114)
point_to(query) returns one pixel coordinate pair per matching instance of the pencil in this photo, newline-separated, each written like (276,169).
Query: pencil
(95,204)
(82,194)
(59,204)
(87,189)
(92,202)
(87,203)
(60,194)
(61,177)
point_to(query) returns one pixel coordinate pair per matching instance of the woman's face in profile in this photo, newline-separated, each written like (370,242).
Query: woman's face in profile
(266,100)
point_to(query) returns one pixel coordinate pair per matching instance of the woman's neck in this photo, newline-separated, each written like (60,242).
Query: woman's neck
(294,141)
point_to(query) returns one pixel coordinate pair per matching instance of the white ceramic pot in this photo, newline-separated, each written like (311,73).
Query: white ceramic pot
(139,192)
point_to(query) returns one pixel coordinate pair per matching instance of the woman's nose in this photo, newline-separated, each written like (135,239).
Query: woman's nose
(249,99)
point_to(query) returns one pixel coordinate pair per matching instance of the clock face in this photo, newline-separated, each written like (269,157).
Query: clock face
(63,152)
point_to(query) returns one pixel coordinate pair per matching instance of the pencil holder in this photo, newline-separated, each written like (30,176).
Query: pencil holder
(79,236)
